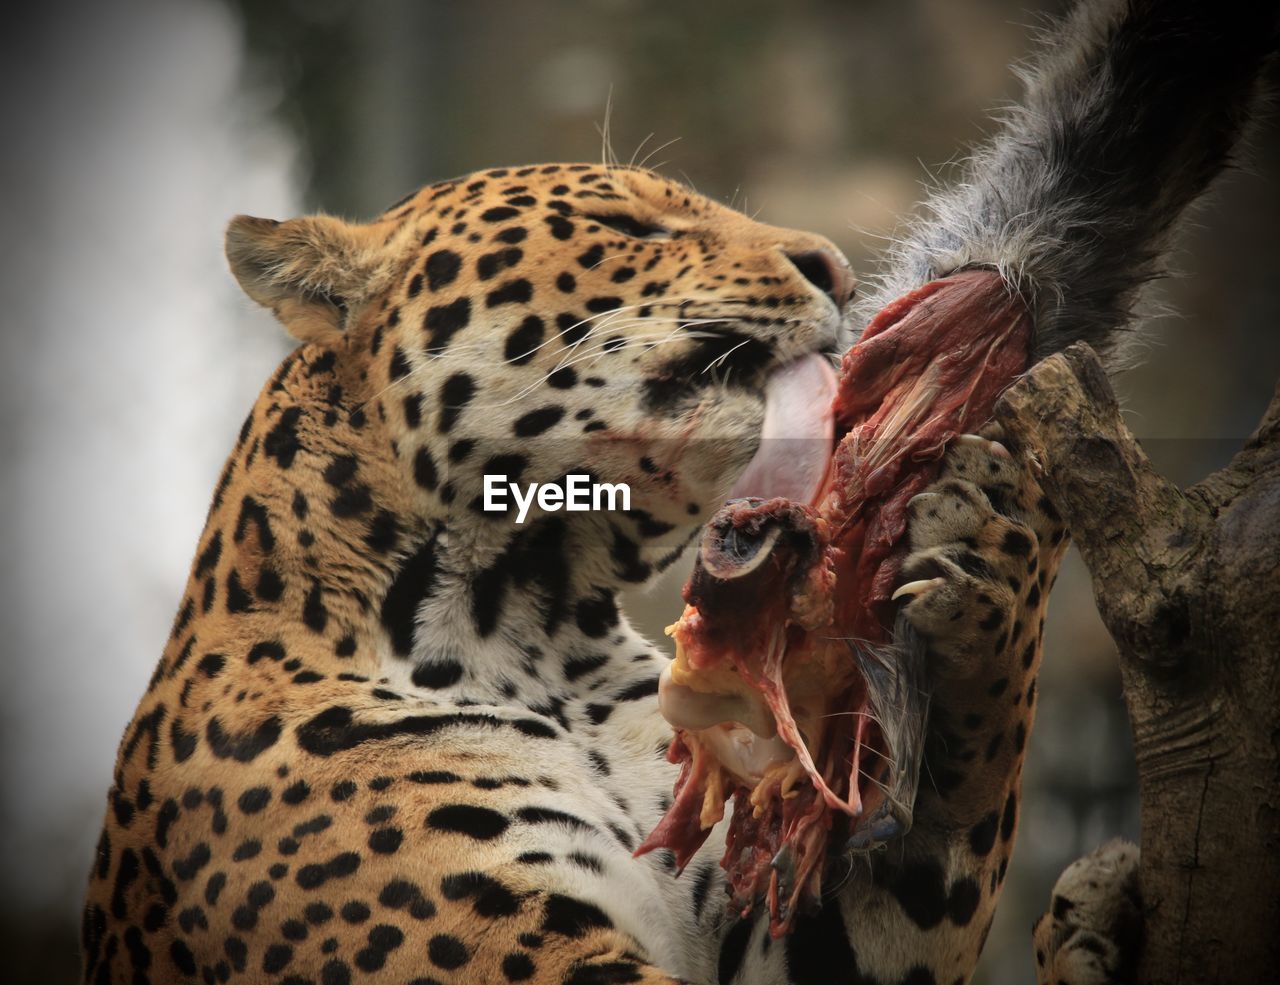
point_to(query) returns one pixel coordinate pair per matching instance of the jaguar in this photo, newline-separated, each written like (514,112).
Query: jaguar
(393,732)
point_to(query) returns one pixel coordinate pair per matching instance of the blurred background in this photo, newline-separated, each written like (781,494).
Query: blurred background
(135,129)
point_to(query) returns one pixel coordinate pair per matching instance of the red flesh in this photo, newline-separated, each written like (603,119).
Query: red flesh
(930,366)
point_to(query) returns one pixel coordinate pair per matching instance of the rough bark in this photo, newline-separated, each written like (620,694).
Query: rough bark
(1188,583)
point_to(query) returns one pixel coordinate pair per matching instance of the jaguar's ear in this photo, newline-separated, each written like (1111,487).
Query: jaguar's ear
(308,271)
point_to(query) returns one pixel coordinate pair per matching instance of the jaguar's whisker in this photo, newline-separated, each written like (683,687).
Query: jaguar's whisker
(639,148)
(661,147)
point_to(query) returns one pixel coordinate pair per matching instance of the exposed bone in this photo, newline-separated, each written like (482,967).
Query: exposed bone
(731,572)
(786,592)
(745,754)
(684,707)
(733,554)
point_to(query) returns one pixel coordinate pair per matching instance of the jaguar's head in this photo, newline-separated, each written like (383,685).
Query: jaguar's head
(544,321)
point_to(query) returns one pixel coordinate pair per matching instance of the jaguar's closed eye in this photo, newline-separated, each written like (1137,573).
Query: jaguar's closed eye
(631,226)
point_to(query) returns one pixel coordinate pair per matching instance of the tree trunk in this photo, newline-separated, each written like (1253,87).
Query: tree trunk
(1188,583)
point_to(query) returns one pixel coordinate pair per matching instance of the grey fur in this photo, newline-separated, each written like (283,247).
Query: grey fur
(1132,107)
(898,697)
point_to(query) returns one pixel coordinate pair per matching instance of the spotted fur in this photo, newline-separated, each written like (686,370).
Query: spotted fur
(1131,109)
(393,735)
(1093,931)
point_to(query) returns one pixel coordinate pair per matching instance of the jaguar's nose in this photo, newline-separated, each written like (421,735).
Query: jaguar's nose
(828,271)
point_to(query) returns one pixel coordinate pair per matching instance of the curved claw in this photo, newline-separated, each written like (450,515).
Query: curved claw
(921,498)
(917,587)
(994,447)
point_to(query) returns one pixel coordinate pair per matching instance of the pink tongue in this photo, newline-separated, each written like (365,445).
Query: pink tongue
(798,433)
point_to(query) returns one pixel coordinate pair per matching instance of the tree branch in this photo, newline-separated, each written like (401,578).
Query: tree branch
(1188,584)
